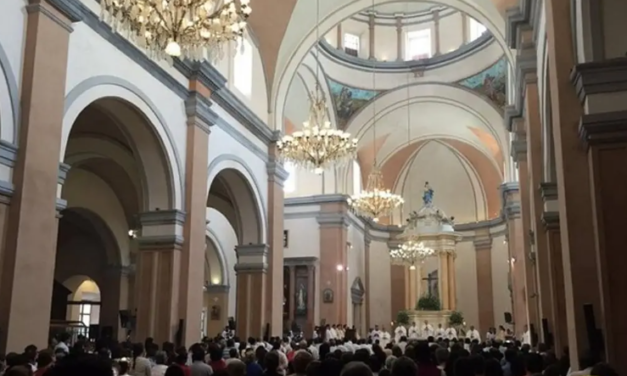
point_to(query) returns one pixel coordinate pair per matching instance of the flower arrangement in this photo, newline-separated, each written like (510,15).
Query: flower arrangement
(456,319)
(402,318)
(428,303)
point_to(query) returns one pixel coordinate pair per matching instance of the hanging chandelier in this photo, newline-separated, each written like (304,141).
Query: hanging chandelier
(190,29)
(376,201)
(410,253)
(317,146)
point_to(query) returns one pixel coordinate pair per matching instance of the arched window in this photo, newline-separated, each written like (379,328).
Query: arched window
(476,29)
(418,45)
(290,183)
(243,68)
(356,178)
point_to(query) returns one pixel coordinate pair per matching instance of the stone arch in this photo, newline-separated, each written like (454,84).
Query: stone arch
(483,11)
(242,203)
(219,252)
(149,138)
(9,101)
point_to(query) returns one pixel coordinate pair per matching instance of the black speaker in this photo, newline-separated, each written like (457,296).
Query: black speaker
(508,317)
(232,324)
(125,318)
(94,332)
(107,332)
(178,337)
(548,337)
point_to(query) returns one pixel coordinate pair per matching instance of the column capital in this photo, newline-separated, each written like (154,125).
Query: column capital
(162,217)
(519,148)
(333,220)
(64,168)
(367,238)
(300,261)
(551,220)
(548,191)
(252,258)
(62,12)
(217,289)
(399,23)
(159,242)
(482,242)
(125,270)
(603,128)
(276,172)
(608,76)
(199,112)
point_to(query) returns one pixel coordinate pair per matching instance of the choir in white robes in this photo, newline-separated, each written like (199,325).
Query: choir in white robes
(399,332)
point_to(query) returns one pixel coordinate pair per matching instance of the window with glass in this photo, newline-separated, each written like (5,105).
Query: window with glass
(84,316)
(351,44)
(418,45)
(476,29)
(243,68)
(290,184)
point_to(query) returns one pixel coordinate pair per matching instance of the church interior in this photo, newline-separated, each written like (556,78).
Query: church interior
(348,162)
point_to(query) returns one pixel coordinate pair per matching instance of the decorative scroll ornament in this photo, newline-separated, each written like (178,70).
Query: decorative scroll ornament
(375,201)
(189,29)
(318,146)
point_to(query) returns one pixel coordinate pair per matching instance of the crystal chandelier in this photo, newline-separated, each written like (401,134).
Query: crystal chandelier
(317,146)
(376,201)
(410,253)
(190,29)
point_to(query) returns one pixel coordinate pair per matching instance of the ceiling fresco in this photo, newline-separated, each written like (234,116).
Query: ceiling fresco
(348,100)
(491,82)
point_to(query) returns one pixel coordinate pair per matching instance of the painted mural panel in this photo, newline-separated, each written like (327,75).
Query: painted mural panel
(347,100)
(490,82)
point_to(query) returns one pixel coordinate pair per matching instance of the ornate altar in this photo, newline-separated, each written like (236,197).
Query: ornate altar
(430,234)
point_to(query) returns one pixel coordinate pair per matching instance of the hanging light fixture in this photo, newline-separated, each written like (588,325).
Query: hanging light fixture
(375,201)
(190,29)
(410,253)
(318,146)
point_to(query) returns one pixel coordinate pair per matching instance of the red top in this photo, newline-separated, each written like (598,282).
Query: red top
(186,370)
(218,366)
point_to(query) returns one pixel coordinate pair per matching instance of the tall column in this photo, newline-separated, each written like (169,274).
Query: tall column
(603,131)
(519,153)
(311,301)
(292,294)
(516,249)
(199,120)
(453,279)
(399,38)
(535,165)
(29,254)
(339,37)
(368,303)
(465,29)
(333,223)
(444,279)
(158,274)
(436,33)
(371,36)
(483,255)
(573,182)
(252,269)
(274,299)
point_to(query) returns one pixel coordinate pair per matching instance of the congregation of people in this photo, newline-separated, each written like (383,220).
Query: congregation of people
(333,350)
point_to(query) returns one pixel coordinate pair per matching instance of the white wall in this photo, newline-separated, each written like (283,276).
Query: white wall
(227,240)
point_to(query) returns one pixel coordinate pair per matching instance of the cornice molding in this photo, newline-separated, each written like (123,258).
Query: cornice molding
(548,191)
(67,8)
(217,289)
(300,261)
(408,19)
(603,128)
(482,242)
(608,76)
(64,168)
(162,242)
(551,220)
(394,66)
(162,217)
(198,107)
(8,153)
(518,148)
(525,16)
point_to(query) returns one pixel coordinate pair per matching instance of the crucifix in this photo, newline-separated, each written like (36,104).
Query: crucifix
(432,283)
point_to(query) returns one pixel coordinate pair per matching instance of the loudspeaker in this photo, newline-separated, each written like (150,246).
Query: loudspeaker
(178,337)
(508,317)
(94,332)
(125,318)
(548,337)
(232,325)
(107,332)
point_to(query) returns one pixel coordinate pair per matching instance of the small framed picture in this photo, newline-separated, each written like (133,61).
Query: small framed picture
(327,296)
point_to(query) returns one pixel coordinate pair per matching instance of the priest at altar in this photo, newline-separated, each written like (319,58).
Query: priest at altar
(473,334)
(414,331)
(399,332)
(427,330)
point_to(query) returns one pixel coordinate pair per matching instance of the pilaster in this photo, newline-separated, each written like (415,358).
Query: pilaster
(399,38)
(573,181)
(603,131)
(32,226)
(276,195)
(367,243)
(436,36)
(200,118)
(371,36)
(483,255)
(157,280)
(333,222)
(252,269)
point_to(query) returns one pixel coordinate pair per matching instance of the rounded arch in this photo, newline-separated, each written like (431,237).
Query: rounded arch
(92,223)
(483,11)
(9,101)
(153,143)
(219,250)
(244,193)
(74,283)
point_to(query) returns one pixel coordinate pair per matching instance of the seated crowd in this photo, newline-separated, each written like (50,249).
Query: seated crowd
(319,356)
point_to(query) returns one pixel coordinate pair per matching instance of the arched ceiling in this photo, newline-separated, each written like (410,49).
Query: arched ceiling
(403,7)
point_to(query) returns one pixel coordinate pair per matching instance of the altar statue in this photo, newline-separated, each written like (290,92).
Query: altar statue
(301,306)
(427,196)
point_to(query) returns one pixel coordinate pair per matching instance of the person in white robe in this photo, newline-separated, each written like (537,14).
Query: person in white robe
(451,333)
(375,335)
(427,330)
(473,334)
(333,332)
(414,332)
(526,337)
(399,332)
(328,335)
(439,332)
(385,338)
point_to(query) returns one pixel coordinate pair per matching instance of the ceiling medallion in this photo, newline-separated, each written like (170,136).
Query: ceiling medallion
(375,201)
(317,146)
(189,29)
